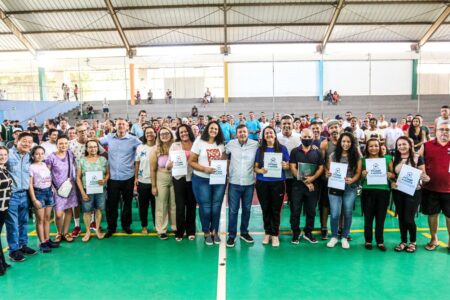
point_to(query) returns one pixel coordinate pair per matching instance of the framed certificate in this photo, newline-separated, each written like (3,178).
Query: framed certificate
(272,163)
(338,172)
(179,161)
(92,186)
(220,176)
(376,171)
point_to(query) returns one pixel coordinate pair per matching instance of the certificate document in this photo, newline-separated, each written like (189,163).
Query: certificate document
(272,163)
(220,176)
(305,170)
(338,172)
(408,179)
(376,171)
(92,186)
(179,162)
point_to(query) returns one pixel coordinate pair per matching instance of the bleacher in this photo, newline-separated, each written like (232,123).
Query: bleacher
(390,106)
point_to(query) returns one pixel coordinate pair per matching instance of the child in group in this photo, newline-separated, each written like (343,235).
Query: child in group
(41,196)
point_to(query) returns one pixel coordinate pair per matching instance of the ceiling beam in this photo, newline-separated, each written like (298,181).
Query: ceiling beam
(16,31)
(87,30)
(337,11)
(212,5)
(130,52)
(432,30)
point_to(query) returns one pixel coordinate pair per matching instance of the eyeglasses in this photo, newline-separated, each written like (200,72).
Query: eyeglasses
(165,134)
(446,130)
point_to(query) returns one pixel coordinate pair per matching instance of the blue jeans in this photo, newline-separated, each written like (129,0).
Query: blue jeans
(96,201)
(346,203)
(209,199)
(235,194)
(17,221)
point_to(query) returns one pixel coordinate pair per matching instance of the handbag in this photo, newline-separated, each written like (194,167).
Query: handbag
(336,192)
(66,187)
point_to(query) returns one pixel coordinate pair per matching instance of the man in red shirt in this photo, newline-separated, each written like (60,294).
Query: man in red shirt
(436,193)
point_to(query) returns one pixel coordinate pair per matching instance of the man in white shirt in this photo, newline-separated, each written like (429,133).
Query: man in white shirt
(373,131)
(348,119)
(264,123)
(290,139)
(50,145)
(382,123)
(241,155)
(392,133)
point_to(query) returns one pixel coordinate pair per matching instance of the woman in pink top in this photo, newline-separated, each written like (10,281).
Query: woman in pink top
(186,204)
(162,187)
(41,196)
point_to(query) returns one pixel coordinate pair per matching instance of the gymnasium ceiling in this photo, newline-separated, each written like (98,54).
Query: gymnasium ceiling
(89,24)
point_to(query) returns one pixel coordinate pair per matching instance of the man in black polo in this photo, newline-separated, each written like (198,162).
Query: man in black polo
(305,186)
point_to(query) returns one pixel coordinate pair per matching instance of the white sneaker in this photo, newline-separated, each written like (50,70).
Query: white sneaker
(332,242)
(275,241)
(266,239)
(345,244)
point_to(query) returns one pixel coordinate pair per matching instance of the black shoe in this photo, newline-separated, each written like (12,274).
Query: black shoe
(230,242)
(2,270)
(163,236)
(310,238)
(109,234)
(28,251)
(324,233)
(295,240)
(128,230)
(349,238)
(368,246)
(246,237)
(6,265)
(17,256)
(44,247)
(381,247)
(52,244)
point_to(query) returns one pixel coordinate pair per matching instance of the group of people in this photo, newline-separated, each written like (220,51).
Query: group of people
(65,92)
(177,164)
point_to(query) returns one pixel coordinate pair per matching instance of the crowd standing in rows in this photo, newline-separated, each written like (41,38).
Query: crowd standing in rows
(176,164)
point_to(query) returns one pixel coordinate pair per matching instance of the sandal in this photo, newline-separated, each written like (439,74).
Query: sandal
(67,237)
(191,237)
(431,246)
(58,237)
(401,247)
(411,248)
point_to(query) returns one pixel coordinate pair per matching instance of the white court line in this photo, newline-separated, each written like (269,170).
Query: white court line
(221,266)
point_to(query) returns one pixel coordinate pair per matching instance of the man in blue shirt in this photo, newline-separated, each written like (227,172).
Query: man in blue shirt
(121,153)
(137,128)
(17,221)
(226,128)
(253,126)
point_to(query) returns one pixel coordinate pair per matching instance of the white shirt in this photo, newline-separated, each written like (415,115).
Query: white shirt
(290,143)
(206,152)
(392,134)
(49,148)
(359,134)
(370,132)
(143,157)
(242,161)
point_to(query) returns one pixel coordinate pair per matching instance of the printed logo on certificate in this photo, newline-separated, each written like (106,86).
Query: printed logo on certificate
(338,172)
(220,175)
(179,162)
(376,171)
(92,186)
(408,179)
(272,163)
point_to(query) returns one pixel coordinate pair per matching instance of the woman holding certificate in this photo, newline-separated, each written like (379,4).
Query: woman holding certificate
(92,176)
(375,191)
(206,158)
(344,172)
(182,175)
(162,186)
(62,167)
(271,161)
(408,168)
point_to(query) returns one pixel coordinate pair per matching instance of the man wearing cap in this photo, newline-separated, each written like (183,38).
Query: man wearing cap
(391,134)
(327,147)
(16,132)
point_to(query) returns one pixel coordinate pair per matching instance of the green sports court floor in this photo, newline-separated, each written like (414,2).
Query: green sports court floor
(143,267)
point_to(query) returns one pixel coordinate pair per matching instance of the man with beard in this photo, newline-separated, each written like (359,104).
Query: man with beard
(348,119)
(327,147)
(316,130)
(290,139)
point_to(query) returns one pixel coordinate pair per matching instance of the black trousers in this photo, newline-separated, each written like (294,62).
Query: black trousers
(146,199)
(301,196)
(271,195)
(406,207)
(3,215)
(186,207)
(119,189)
(374,204)
(289,182)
